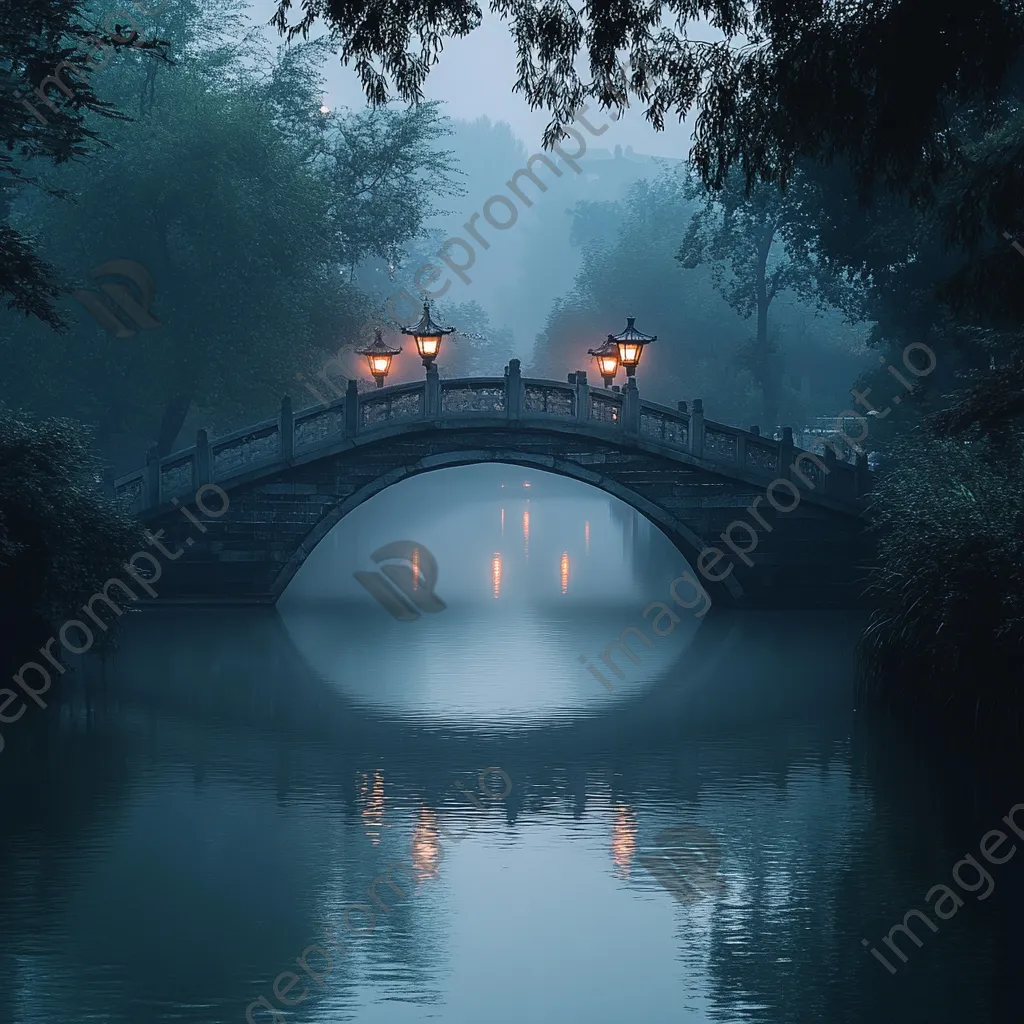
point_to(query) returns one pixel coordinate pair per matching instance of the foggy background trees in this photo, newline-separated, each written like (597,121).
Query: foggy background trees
(835,209)
(275,229)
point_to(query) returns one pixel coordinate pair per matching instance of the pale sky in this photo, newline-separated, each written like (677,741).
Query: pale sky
(475,77)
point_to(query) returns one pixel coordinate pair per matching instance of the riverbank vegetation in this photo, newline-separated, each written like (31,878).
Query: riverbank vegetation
(60,537)
(946,632)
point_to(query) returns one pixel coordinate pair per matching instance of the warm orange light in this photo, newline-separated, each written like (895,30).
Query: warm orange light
(496,574)
(607,357)
(630,344)
(378,358)
(426,850)
(427,334)
(427,345)
(526,532)
(629,353)
(586,535)
(623,841)
(526,483)
(415,568)
(565,572)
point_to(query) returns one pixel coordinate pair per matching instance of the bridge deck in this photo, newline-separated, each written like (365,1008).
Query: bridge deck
(513,402)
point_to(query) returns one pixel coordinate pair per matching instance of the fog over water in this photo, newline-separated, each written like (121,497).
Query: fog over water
(177,837)
(535,572)
(483,750)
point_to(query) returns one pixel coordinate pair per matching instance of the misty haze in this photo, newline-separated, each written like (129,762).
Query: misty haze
(511,514)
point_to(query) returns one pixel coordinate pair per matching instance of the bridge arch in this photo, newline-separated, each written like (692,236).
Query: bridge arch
(687,541)
(292,478)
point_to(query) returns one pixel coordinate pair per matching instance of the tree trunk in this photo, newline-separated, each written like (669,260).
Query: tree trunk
(170,425)
(766,367)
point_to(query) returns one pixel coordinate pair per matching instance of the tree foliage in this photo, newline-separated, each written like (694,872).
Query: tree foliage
(870,82)
(947,630)
(248,206)
(478,348)
(48,46)
(60,537)
(704,348)
(755,247)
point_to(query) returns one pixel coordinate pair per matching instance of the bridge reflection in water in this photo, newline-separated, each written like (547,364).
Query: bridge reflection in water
(544,601)
(172,843)
(222,787)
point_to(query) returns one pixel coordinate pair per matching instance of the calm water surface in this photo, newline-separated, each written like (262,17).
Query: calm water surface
(179,831)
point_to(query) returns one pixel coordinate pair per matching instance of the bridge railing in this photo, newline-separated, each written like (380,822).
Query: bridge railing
(277,442)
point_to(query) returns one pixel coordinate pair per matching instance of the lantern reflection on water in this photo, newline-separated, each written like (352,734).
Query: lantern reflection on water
(623,840)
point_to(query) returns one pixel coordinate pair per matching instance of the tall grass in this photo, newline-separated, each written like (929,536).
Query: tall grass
(947,630)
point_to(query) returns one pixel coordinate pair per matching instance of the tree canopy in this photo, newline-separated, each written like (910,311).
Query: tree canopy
(46,49)
(755,248)
(630,264)
(871,82)
(246,204)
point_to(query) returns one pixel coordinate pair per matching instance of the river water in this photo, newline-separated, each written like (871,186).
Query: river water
(705,831)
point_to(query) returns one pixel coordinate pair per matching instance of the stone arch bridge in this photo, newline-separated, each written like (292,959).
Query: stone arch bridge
(291,479)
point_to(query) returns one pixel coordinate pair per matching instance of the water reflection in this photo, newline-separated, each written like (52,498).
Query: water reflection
(623,841)
(426,849)
(415,568)
(516,652)
(176,838)
(372,793)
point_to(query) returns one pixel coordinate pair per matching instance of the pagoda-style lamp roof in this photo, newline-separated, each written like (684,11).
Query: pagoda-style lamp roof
(607,357)
(427,335)
(379,356)
(631,344)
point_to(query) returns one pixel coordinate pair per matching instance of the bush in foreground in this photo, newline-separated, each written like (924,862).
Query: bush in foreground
(947,630)
(60,537)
